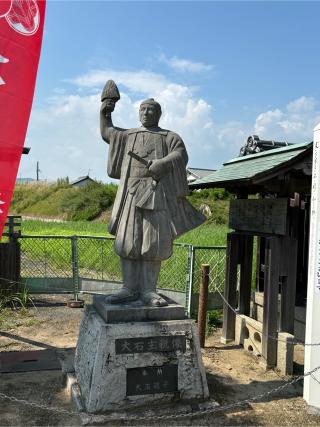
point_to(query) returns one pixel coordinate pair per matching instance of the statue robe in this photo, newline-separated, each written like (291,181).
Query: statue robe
(147,215)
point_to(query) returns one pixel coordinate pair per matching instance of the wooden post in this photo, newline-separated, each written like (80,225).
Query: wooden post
(245,252)
(289,251)
(203,302)
(270,305)
(260,262)
(311,392)
(9,266)
(10,256)
(230,288)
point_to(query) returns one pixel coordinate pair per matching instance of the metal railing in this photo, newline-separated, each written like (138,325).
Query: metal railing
(60,264)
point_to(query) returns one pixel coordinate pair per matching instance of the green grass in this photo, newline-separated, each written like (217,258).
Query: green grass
(216,199)
(61,200)
(206,235)
(67,228)
(50,206)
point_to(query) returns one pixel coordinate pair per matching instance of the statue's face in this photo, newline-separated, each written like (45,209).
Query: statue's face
(149,115)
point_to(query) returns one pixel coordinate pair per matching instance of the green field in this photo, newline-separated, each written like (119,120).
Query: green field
(205,235)
(67,228)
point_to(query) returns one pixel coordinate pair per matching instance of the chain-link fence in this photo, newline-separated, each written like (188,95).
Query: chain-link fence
(174,274)
(215,257)
(52,264)
(45,256)
(97,259)
(47,264)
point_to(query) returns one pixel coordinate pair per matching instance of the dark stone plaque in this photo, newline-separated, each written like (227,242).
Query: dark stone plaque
(151,344)
(267,216)
(152,380)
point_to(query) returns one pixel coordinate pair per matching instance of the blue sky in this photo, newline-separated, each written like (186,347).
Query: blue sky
(221,70)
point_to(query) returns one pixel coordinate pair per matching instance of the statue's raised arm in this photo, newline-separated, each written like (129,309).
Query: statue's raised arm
(109,97)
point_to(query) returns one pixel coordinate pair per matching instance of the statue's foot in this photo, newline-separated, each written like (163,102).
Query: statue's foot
(153,299)
(123,296)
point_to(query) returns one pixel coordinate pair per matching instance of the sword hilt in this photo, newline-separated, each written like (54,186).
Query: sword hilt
(135,156)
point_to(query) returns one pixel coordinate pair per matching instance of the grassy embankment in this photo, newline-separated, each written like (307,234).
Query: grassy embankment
(62,201)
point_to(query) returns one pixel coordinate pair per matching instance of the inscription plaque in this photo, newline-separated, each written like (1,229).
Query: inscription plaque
(152,380)
(151,344)
(267,216)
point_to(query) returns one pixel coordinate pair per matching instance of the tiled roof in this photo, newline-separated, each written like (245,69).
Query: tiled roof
(200,173)
(249,167)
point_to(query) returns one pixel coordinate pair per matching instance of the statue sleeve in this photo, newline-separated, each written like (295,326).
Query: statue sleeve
(175,162)
(117,145)
(179,160)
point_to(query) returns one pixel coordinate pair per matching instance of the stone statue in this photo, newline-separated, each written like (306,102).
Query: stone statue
(150,208)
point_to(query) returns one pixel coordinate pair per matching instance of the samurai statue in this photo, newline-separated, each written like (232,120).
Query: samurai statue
(150,209)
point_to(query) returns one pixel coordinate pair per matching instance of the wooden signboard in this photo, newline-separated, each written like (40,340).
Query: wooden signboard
(261,216)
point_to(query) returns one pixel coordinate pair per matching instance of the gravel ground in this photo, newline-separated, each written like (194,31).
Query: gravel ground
(233,375)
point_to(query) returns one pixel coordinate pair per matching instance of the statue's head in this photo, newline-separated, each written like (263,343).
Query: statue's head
(150,112)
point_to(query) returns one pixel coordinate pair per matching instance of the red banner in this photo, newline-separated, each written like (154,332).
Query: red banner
(21,28)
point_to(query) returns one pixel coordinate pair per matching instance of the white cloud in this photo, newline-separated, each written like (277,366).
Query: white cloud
(65,135)
(136,81)
(303,104)
(185,65)
(231,137)
(268,119)
(294,123)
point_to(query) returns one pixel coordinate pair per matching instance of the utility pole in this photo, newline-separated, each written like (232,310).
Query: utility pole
(311,390)
(38,171)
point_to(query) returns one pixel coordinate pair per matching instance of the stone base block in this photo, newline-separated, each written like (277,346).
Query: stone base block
(136,311)
(177,411)
(248,332)
(299,315)
(285,353)
(125,365)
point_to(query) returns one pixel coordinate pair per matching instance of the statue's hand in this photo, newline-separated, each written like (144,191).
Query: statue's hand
(107,106)
(157,169)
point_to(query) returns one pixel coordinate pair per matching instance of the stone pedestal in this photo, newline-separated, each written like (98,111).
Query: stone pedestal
(123,365)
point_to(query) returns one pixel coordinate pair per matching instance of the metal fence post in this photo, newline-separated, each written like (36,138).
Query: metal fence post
(75,266)
(102,259)
(189,292)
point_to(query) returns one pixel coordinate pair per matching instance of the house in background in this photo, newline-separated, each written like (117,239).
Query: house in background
(82,181)
(196,173)
(24,180)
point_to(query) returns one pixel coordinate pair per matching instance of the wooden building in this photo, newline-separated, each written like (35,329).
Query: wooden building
(82,181)
(196,173)
(270,219)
